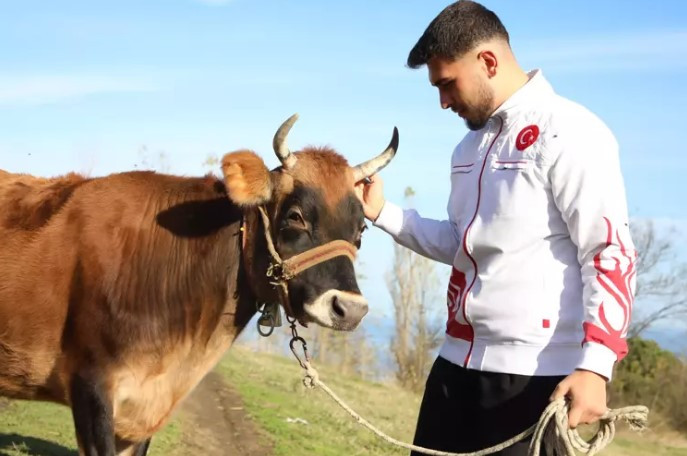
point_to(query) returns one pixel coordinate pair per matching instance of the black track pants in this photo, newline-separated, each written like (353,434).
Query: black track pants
(468,410)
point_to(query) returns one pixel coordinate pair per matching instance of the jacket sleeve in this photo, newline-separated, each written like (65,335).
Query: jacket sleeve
(588,189)
(434,239)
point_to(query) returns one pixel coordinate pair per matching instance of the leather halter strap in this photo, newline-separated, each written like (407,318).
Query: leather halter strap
(281,271)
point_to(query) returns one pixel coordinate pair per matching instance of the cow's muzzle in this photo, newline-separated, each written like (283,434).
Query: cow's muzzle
(337,309)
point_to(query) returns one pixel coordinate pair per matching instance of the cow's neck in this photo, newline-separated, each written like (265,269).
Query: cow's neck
(256,257)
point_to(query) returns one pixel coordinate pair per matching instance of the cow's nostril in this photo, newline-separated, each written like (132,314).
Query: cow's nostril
(338,308)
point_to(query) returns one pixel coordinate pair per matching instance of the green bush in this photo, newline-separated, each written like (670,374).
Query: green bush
(654,377)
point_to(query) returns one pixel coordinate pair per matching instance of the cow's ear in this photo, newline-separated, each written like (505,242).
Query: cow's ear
(246,177)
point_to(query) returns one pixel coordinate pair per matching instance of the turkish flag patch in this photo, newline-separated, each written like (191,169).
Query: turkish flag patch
(527,137)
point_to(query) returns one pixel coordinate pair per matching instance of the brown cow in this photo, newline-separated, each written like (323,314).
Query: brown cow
(118,294)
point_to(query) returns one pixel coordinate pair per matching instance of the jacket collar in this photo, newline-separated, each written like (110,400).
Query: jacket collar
(527,96)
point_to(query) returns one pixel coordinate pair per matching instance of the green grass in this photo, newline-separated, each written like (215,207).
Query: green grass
(45,429)
(36,428)
(272,391)
(637,446)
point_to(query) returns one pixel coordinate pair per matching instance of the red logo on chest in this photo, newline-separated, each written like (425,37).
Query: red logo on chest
(527,137)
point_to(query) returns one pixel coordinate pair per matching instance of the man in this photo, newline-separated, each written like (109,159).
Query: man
(543,278)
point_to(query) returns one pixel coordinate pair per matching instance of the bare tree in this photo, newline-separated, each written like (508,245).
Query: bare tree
(211,162)
(364,355)
(413,285)
(321,344)
(661,292)
(148,160)
(349,353)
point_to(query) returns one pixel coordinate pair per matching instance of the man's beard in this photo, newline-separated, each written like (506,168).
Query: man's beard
(479,114)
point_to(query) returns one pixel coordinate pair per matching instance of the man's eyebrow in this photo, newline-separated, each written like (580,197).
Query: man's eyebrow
(440,81)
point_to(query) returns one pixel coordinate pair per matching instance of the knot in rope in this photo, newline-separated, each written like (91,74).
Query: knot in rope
(311,378)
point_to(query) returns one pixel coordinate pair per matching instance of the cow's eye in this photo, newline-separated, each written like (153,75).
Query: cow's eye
(295,217)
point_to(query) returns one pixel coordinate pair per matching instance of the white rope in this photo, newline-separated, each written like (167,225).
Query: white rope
(551,433)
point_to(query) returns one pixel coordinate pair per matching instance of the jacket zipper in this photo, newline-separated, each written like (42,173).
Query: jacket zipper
(465,245)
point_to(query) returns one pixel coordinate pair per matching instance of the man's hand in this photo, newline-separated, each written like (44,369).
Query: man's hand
(587,393)
(371,195)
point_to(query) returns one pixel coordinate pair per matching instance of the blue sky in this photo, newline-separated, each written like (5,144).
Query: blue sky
(85,86)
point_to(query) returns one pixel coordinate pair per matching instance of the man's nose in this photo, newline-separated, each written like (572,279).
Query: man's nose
(444,101)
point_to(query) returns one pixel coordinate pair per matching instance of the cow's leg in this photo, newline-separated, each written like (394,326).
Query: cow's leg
(92,413)
(127,448)
(142,448)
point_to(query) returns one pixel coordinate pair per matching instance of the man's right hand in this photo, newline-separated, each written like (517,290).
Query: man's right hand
(371,195)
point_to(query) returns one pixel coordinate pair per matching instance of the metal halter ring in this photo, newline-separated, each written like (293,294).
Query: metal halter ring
(305,350)
(268,332)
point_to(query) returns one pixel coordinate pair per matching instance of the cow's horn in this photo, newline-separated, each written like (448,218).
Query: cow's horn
(287,159)
(370,167)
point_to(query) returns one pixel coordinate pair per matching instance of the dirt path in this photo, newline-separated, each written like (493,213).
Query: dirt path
(216,422)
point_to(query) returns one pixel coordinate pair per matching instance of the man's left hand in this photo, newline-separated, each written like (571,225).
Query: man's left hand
(587,393)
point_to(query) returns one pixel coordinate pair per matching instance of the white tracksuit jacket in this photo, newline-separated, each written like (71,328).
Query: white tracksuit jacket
(537,233)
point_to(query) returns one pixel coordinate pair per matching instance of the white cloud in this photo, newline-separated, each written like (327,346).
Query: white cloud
(627,51)
(45,89)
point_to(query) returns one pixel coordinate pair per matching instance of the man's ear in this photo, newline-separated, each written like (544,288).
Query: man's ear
(489,61)
(246,177)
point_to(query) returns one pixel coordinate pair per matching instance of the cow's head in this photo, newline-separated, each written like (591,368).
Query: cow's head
(310,200)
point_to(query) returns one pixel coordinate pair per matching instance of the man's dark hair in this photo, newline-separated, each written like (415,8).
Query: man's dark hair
(459,28)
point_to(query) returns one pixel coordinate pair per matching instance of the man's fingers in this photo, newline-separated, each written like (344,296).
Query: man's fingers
(591,416)
(582,414)
(575,416)
(560,391)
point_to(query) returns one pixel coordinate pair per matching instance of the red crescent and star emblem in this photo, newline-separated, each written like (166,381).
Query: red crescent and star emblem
(527,137)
